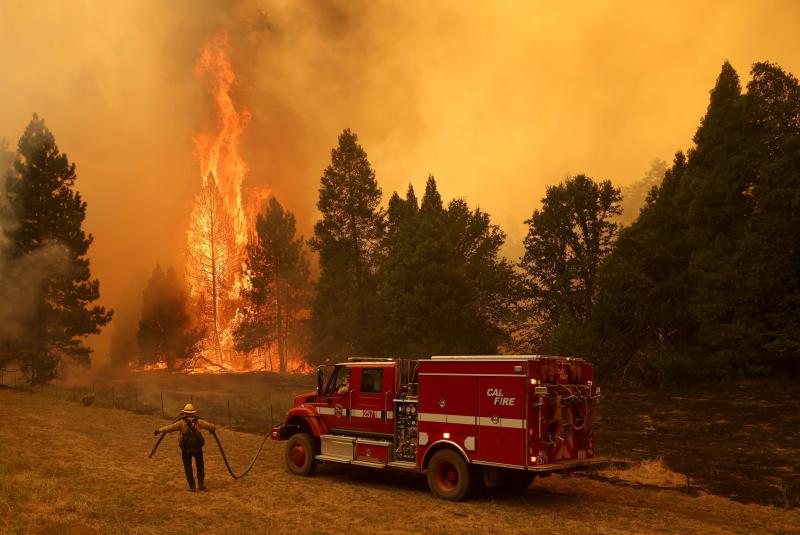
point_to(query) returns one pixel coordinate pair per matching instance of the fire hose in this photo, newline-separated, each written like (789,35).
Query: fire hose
(222,451)
(249,466)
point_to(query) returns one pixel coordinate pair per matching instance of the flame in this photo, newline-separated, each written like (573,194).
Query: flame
(219,228)
(222,224)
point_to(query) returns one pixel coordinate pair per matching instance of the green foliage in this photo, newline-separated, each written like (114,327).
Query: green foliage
(48,215)
(444,289)
(278,269)
(706,283)
(566,242)
(347,238)
(166,333)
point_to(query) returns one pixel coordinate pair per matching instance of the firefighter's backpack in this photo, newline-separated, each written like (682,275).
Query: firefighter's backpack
(193,439)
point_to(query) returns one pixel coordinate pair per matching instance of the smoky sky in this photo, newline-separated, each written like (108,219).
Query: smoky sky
(496,99)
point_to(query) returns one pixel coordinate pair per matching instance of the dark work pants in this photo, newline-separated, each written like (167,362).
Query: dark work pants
(187,466)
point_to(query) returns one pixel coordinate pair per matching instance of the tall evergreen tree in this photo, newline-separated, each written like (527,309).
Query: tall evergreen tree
(443,287)
(166,331)
(279,271)
(215,264)
(705,283)
(347,238)
(566,242)
(48,211)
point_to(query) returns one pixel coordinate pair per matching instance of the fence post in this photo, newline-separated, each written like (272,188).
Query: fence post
(230,426)
(162,403)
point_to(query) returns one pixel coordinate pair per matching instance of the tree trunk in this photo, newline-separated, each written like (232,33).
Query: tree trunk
(279,323)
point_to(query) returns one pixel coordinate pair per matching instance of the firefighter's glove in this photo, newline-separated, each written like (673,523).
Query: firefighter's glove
(155,433)
(213,431)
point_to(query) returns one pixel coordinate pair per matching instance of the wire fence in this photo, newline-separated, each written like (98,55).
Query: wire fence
(247,412)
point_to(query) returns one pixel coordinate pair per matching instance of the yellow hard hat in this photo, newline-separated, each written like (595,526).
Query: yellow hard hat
(189,409)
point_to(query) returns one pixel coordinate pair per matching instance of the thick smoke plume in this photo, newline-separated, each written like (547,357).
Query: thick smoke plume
(496,99)
(22,278)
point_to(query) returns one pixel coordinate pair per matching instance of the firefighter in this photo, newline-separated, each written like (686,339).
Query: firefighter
(344,387)
(191,443)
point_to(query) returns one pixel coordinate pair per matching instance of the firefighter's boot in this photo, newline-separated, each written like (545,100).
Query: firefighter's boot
(203,487)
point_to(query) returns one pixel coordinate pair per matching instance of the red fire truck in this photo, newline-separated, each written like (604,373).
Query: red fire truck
(468,422)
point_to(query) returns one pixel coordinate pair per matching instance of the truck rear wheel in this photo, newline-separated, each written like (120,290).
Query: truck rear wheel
(301,452)
(448,475)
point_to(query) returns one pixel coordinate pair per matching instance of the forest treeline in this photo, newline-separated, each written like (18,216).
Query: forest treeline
(701,284)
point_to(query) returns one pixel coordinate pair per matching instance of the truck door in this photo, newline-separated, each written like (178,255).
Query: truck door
(373,395)
(357,399)
(501,411)
(335,404)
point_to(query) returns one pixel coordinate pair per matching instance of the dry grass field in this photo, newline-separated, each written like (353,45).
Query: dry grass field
(65,468)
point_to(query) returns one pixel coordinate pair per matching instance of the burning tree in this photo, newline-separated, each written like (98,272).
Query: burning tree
(214,268)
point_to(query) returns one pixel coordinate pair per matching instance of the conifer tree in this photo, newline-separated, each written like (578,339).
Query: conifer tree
(279,271)
(705,283)
(348,239)
(443,287)
(49,213)
(166,333)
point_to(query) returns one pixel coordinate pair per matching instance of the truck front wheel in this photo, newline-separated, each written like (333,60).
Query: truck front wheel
(301,452)
(448,475)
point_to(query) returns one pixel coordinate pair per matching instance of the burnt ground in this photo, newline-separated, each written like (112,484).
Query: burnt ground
(740,441)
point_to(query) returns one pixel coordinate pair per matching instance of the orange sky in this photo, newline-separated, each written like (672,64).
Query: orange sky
(496,99)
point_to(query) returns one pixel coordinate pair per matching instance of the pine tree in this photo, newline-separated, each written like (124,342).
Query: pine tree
(279,271)
(443,287)
(166,333)
(348,239)
(214,264)
(50,213)
(705,283)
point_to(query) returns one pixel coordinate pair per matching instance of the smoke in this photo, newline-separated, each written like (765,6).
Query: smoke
(22,277)
(496,99)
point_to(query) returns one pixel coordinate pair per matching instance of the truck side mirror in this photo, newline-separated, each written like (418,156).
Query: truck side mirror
(319,381)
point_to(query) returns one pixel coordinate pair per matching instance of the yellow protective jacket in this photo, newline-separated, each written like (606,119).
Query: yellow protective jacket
(183,427)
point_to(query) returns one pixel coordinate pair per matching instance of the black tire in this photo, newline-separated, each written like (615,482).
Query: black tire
(449,477)
(301,454)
